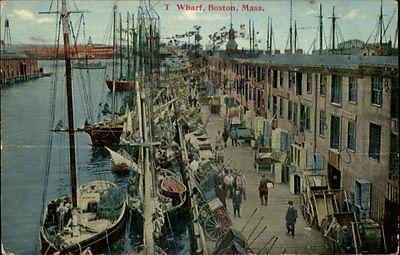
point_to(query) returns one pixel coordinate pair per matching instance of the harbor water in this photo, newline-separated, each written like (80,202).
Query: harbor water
(24,145)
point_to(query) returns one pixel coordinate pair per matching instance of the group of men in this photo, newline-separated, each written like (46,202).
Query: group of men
(232,185)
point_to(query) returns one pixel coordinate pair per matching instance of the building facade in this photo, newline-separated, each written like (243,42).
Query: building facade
(17,67)
(343,107)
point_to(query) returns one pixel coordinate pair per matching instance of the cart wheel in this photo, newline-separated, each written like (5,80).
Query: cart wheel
(204,213)
(213,228)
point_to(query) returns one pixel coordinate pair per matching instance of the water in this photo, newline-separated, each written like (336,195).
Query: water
(24,132)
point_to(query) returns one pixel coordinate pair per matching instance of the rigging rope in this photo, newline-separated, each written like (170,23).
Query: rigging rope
(50,121)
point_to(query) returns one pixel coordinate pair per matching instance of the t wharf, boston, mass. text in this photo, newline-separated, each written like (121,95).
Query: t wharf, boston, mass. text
(212,7)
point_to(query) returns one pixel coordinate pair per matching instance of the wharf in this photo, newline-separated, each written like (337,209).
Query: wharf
(306,239)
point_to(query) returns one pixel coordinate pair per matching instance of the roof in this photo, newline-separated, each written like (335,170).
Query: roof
(348,61)
(327,60)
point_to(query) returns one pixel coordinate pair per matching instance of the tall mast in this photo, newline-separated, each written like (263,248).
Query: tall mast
(250,34)
(71,132)
(134,51)
(271,31)
(381,26)
(253,39)
(295,36)
(268,34)
(114,62)
(290,29)
(120,47)
(127,44)
(333,29)
(320,29)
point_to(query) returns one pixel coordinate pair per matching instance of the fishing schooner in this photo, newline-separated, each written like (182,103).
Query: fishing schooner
(93,215)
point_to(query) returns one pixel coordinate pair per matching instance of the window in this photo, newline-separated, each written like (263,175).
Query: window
(291,79)
(351,135)
(322,84)
(335,132)
(376,93)
(274,105)
(274,78)
(353,89)
(281,74)
(394,159)
(374,141)
(309,83)
(394,102)
(299,85)
(322,123)
(281,107)
(336,89)
(295,113)
(304,118)
(308,118)
(290,110)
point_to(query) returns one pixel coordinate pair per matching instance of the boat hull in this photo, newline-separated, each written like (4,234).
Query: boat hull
(120,85)
(97,243)
(102,136)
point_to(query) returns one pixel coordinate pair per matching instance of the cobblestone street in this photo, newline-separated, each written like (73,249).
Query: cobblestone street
(305,241)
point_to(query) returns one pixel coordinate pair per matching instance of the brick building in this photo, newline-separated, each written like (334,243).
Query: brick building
(343,107)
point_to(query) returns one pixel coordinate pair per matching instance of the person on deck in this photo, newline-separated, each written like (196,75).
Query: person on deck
(236,201)
(263,190)
(234,136)
(291,216)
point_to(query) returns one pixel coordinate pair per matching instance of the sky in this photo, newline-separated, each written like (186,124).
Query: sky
(357,19)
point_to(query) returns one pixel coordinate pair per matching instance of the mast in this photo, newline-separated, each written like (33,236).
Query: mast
(381,26)
(113,64)
(120,47)
(134,50)
(333,29)
(295,36)
(320,29)
(127,44)
(290,29)
(271,31)
(250,34)
(268,34)
(71,131)
(253,39)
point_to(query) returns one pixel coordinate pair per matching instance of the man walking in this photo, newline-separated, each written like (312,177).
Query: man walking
(234,136)
(291,216)
(236,201)
(241,184)
(263,190)
(228,180)
(225,136)
(344,240)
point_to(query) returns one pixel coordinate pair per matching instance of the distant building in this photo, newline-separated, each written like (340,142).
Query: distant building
(341,107)
(231,45)
(17,67)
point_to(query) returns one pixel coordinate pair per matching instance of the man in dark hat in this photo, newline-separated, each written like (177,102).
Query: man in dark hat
(236,201)
(291,216)
(263,190)
(344,240)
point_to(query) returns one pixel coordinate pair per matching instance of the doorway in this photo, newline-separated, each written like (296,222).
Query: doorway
(334,177)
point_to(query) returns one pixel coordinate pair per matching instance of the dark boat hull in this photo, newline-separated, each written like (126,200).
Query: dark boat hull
(102,136)
(120,85)
(97,243)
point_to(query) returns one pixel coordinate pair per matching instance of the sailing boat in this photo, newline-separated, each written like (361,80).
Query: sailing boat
(94,215)
(121,84)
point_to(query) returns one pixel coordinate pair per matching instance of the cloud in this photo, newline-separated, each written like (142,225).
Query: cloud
(311,12)
(194,16)
(27,15)
(355,13)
